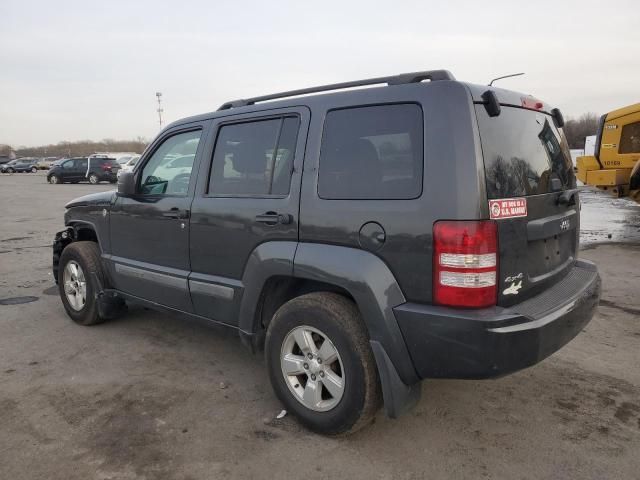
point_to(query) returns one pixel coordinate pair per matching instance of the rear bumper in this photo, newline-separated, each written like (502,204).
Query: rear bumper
(453,343)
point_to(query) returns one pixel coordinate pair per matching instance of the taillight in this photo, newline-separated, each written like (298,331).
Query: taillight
(106,167)
(465,263)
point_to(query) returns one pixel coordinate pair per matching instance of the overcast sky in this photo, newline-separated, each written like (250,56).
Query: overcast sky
(73,70)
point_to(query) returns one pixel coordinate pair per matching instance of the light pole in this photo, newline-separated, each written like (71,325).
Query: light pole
(160,110)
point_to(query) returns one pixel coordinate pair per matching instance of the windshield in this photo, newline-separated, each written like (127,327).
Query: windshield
(523,151)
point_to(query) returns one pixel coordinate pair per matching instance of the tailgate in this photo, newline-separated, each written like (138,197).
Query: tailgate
(531,192)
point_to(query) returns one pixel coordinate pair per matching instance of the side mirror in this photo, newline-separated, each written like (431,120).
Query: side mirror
(126,184)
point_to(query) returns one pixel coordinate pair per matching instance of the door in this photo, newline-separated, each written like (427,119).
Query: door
(150,230)
(250,198)
(532,196)
(69,170)
(80,169)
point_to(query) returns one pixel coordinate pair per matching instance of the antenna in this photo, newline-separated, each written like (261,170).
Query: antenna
(505,76)
(160,110)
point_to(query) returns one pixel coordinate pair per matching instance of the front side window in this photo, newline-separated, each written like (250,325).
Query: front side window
(68,164)
(168,170)
(630,138)
(372,153)
(254,158)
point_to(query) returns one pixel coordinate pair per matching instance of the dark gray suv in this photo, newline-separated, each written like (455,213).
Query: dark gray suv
(366,239)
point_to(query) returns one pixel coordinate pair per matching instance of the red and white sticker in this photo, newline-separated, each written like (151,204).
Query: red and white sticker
(507,208)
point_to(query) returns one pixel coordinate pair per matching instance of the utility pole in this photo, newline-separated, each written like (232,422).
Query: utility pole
(160,110)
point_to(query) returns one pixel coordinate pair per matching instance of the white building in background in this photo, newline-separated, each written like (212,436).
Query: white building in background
(590,145)
(575,153)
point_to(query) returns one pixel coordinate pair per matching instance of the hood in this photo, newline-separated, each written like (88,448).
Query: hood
(100,199)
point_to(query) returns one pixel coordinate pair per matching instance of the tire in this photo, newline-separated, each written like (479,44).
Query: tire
(85,255)
(338,320)
(93,179)
(10,170)
(54,179)
(34,170)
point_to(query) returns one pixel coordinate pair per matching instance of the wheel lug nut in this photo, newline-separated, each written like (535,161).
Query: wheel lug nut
(322,374)
(306,366)
(309,356)
(313,377)
(319,360)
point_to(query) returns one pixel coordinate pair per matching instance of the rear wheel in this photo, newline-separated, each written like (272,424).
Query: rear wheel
(93,178)
(79,271)
(34,169)
(321,365)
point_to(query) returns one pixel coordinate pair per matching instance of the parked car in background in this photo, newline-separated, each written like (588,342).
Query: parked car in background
(46,162)
(128,166)
(94,169)
(21,165)
(6,166)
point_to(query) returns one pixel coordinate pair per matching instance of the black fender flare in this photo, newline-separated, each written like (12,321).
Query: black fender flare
(373,287)
(365,276)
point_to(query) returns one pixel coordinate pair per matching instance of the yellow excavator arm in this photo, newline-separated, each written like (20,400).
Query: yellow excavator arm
(615,165)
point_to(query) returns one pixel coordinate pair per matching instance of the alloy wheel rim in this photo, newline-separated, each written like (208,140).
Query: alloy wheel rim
(93,179)
(312,368)
(75,285)
(53,179)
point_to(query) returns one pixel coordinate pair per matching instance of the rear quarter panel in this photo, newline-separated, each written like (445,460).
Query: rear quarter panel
(453,184)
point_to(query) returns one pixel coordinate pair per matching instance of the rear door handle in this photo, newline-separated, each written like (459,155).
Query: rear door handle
(175,212)
(273,218)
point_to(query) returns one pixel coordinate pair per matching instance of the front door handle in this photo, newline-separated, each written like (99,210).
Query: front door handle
(273,218)
(177,213)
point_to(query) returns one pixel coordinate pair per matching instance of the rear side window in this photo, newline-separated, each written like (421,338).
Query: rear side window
(630,138)
(254,158)
(371,153)
(522,152)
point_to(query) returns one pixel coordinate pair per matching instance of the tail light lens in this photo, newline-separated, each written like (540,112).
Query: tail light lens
(465,263)
(106,167)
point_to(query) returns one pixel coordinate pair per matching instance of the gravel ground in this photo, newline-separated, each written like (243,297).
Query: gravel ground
(149,396)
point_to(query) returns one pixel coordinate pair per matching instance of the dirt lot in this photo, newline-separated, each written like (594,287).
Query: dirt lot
(152,397)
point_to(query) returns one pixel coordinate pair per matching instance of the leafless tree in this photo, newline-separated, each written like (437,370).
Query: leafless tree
(577,129)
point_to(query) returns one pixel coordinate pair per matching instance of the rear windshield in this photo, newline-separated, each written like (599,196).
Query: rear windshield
(523,151)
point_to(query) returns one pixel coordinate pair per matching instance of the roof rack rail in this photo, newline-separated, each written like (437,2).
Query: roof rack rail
(403,78)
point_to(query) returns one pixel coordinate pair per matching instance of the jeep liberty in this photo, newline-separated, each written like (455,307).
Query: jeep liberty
(365,238)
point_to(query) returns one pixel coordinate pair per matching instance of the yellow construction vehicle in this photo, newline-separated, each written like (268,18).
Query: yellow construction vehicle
(615,165)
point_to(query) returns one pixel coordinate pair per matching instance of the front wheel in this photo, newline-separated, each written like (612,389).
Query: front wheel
(79,272)
(34,170)
(93,178)
(10,170)
(54,179)
(321,365)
